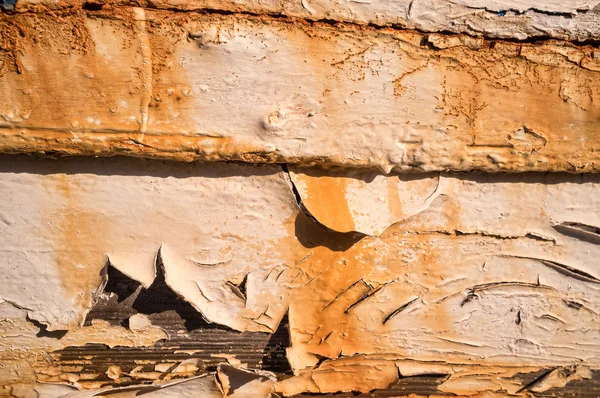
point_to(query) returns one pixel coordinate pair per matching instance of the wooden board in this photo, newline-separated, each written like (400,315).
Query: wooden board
(258,89)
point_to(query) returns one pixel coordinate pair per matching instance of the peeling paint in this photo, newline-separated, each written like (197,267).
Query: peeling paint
(304,93)
(472,252)
(383,198)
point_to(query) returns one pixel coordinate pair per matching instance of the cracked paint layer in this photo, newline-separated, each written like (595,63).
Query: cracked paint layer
(496,274)
(282,90)
(363,201)
(474,246)
(392,198)
(71,223)
(25,346)
(515,19)
(204,386)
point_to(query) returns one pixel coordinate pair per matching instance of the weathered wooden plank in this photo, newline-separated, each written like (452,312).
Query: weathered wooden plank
(125,277)
(495,277)
(71,213)
(258,89)
(463,209)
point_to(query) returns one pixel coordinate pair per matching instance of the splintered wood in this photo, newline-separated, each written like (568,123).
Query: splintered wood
(303,198)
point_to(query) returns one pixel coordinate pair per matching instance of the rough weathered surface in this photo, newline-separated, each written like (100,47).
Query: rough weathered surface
(343,231)
(187,86)
(488,278)
(72,221)
(515,19)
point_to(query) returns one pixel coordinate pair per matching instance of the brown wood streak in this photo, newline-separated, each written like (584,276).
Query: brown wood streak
(190,336)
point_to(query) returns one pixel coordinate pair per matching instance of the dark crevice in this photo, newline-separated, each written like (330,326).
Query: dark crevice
(242,287)
(92,6)
(321,359)
(535,381)
(583,232)
(124,297)
(540,238)
(274,354)
(361,280)
(123,165)
(44,332)
(570,271)
(426,43)
(503,12)
(471,295)
(405,26)
(286,170)
(573,304)
(235,290)
(472,291)
(220,384)
(399,310)
(457,232)
(562,269)
(363,298)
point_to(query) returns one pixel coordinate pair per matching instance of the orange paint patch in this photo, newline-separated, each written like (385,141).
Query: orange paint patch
(326,200)
(393,199)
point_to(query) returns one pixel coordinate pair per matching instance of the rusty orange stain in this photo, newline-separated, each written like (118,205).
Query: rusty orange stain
(78,236)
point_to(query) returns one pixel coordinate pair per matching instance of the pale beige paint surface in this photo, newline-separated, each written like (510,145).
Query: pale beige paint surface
(212,224)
